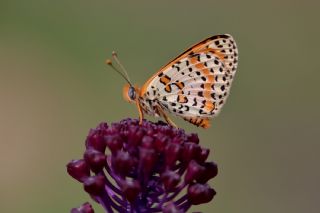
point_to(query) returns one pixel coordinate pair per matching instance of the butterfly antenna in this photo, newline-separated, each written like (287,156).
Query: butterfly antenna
(115,57)
(109,62)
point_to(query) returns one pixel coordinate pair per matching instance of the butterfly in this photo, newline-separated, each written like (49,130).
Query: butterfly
(194,85)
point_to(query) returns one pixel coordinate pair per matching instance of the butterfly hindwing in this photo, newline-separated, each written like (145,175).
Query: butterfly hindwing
(196,84)
(200,90)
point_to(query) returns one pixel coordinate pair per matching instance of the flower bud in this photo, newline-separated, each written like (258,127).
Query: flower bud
(172,153)
(148,159)
(161,142)
(95,159)
(94,185)
(194,172)
(193,138)
(131,189)
(203,155)
(170,180)
(135,136)
(190,151)
(114,142)
(95,141)
(200,193)
(78,169)
(147,142)
(122,163)
(210,171)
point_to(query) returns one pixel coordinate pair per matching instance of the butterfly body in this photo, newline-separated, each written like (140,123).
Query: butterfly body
(194,85)
(149,103)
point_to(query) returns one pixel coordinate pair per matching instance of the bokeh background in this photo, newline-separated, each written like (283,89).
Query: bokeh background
(54,87)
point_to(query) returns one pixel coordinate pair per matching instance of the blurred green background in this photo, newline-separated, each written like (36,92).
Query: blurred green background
(54,87)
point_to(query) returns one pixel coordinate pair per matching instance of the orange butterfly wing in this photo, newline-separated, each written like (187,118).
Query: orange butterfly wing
(196,83)
(194,48)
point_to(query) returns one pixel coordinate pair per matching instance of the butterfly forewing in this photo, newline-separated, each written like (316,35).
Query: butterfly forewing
(196,84)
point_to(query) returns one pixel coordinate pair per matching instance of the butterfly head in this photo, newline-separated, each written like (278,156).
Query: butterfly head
(130,93)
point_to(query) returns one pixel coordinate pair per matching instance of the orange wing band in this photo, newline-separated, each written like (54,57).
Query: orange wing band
(199,122)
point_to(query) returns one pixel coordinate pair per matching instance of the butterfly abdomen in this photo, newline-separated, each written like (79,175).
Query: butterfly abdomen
(200,122)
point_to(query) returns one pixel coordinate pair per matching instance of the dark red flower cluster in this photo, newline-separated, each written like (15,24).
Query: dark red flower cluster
(129,167)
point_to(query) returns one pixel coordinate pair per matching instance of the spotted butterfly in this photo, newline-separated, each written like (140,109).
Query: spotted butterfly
(194,85)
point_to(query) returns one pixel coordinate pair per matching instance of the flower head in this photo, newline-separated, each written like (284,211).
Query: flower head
(129,167)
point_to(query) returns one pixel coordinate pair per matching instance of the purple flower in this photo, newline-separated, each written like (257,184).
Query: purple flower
(129,167)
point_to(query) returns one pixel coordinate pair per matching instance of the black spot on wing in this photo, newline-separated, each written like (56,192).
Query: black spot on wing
(194,102)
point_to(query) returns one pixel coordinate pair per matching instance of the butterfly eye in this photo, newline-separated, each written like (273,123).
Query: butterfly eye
(132,93)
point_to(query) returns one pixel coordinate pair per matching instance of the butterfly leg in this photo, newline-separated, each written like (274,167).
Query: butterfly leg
(165,116)
(140,112)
